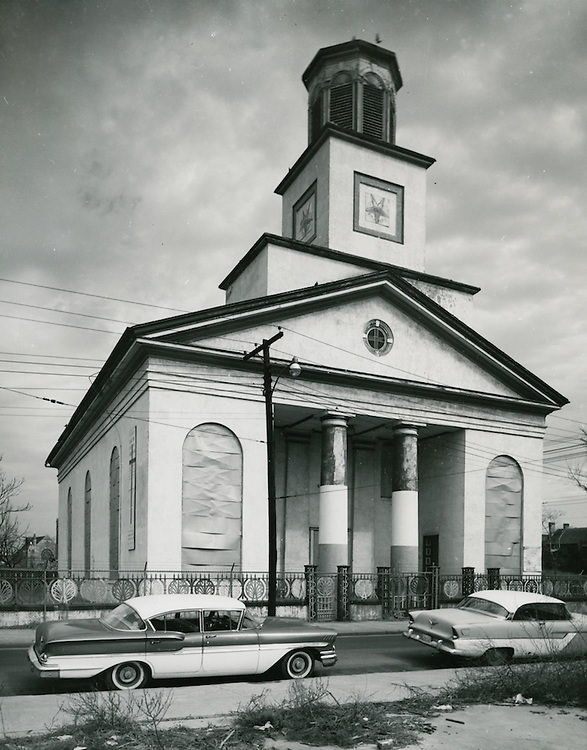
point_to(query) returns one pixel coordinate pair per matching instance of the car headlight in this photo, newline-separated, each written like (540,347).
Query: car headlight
(43,657)
(455,635)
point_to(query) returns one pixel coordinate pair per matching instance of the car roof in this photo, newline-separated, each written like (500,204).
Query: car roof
(511,600)
(154,604)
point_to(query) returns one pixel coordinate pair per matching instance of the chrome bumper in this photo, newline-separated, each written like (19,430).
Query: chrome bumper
(328,657)
(39,668)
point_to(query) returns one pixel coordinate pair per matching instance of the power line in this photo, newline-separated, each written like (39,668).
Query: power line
(63,325)
(95,296)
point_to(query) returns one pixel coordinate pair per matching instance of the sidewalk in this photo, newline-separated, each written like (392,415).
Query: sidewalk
(481,727)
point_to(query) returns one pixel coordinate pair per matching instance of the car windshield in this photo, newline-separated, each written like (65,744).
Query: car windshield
(483,605)
(123,617)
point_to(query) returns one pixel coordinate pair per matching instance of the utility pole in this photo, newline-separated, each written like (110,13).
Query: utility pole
(272,511)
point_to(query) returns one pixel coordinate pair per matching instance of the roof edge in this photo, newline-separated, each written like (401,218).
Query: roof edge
(334,131)
(327,252)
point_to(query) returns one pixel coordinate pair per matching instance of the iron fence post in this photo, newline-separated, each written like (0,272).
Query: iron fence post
(383,593)
(468,581)
(493,578)
(343,613)
(311,593)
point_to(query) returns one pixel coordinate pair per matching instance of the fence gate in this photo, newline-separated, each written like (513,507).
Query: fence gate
(400,593)
(326,597)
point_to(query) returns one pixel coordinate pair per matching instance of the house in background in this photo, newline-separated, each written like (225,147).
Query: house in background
(408,440)
(564,550)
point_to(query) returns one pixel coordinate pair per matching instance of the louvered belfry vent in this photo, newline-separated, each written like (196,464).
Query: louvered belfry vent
(341,105)
(373,102)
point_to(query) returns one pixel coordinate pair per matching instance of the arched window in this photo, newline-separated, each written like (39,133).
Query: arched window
(211,498)
(503,515)
(114,506)
(69,522)
(88,525)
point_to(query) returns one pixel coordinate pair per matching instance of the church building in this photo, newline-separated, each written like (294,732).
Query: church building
(406,440)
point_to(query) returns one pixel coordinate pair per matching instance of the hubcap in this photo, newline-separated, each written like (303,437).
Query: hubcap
(128,674)
(299,664)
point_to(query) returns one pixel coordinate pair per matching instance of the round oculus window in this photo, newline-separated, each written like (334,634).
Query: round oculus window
(378,337)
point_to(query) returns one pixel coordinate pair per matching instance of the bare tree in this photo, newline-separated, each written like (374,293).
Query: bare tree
(12,536)
(578,473)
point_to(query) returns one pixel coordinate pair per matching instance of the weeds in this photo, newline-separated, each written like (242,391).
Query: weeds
(551,682)
(311,714)
(98,714)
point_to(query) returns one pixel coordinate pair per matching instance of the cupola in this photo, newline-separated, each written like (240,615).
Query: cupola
(353,85)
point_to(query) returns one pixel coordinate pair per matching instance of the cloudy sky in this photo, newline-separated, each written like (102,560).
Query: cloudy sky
(141,141)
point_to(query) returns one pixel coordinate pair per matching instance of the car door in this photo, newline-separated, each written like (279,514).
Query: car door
(174,644)
(527,633)
(559,632)
(229,648)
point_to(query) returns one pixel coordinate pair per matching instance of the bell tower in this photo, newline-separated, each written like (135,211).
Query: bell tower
(354,189)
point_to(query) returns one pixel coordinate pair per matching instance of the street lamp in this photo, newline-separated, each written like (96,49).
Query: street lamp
(294,369)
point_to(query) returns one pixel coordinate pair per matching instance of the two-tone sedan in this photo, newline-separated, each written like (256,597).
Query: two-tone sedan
(178,635)
(500,625)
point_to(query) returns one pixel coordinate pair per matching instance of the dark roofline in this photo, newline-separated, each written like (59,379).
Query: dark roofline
(334,131)
(355,46)
(128,340)
(326,252)
(319,293)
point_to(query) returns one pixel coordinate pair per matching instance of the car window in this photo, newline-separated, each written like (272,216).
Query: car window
(123,617)
(542,611)
(527,613)
(221,620)
(186,621)
(551,611)
(483,605)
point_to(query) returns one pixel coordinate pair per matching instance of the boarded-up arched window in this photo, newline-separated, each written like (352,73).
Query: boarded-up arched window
(211,498)
(114,511)
(69,537)
(503,515)
(88,524)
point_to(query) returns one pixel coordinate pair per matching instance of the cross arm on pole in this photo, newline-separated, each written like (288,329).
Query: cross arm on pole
(264,346)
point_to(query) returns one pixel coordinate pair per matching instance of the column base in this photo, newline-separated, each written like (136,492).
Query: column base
(404,559)
(330,556)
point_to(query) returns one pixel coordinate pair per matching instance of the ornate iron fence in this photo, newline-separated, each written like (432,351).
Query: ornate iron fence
(327,597)
(39,589)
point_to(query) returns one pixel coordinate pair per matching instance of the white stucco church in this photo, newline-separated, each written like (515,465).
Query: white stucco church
(407,440)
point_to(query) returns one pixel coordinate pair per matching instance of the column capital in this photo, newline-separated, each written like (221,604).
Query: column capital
(334,419)
(405,428)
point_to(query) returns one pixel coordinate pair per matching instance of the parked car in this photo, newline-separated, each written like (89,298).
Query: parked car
(178,635)
(500,625)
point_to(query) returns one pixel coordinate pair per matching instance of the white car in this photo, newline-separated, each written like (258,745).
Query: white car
(178,635)
(500,625)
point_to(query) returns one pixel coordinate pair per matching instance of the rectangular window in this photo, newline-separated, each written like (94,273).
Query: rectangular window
(132,489)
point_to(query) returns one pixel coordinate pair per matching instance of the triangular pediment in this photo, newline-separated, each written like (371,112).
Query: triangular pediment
(325,326)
